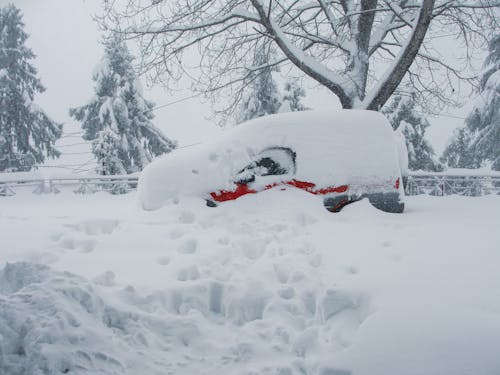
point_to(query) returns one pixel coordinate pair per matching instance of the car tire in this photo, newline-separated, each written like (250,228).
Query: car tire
(336,203)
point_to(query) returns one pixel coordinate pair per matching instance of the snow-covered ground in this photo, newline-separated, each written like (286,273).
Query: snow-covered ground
(269,284)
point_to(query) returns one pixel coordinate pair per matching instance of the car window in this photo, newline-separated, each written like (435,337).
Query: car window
(270,162)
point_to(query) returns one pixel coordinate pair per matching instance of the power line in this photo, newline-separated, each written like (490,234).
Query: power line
(74,133)
(73,144)
(174,102)
(452,116)
(78,134)
(77,153)
(190,145)
(69,136)
(441,115)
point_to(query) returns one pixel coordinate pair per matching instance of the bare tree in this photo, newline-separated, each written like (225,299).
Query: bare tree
(361,50)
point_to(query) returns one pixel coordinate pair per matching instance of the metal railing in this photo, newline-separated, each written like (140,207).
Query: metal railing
(116,184)
(443,183)
(470,183)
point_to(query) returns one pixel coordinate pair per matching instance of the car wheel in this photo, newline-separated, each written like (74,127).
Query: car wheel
(210,203)
(335,204)
(388,202)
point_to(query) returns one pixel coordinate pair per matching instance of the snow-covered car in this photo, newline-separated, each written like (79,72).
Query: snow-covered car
(341,156)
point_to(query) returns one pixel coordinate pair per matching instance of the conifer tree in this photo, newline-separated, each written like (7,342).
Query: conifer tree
(458,153)
(118,119)
(484,120)
(27,134)
(403,116)
(479,140)
(292,98)
(263,97)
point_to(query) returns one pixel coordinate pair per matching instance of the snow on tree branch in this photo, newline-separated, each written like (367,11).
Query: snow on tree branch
(361,50)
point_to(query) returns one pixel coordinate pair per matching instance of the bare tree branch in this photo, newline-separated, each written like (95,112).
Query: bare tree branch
(361,50)
(390,81)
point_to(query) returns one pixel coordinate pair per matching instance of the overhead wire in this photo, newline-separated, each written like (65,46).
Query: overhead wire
(77,134)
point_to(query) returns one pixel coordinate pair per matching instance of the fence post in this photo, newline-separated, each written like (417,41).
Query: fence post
(6,191)
(46,187)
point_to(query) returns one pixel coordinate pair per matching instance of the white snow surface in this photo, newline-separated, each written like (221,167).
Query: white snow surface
(329,151)
(269,284)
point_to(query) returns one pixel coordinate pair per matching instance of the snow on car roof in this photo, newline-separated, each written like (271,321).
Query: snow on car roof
(332,148)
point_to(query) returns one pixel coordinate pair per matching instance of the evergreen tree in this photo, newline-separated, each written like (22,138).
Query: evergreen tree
(262,97)
(484,120)
(404,118)
(292,98)
(118,119)
(479,140)
(458,153)
(27,134)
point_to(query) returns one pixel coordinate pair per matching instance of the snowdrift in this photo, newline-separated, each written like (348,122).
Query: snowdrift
(271,284)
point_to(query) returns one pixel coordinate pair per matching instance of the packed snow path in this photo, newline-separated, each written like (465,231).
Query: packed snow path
(269,284)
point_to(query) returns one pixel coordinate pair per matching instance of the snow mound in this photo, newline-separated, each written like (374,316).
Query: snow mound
(270,284)
(55,322)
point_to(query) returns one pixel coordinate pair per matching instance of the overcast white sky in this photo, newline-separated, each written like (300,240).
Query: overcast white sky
(66,41)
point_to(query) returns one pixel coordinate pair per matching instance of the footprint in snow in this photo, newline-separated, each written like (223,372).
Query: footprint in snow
(253,248)
(187,217)
(188,246)
(282,272)
(84,245)
(188,273)
(342,312)
(105,279)
(396,258)
(22,218)
(163,261)
(286,292)
(315,260)
(176,233)
(223,240)
(352,270)
(95,227)
(55,236)
(67,243)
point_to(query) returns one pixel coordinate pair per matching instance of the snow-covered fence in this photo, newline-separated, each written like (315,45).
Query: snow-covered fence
(116,184)
(462,182)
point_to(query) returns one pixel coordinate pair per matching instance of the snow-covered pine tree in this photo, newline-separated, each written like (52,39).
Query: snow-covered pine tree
(262,97)
(27,134)
(118,119)
(479,140)
(458,153)
(292,98)
(484,120)
(404,118)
